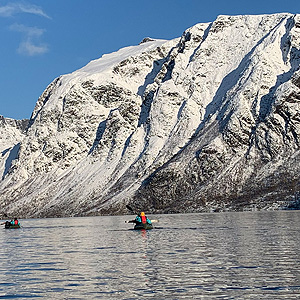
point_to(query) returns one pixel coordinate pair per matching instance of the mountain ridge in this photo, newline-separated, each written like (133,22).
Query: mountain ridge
(205,122)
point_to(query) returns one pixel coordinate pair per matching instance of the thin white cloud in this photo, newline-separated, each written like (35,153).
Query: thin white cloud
(31,36)
(30,44)
(14,8)
(28,48)
(30,31)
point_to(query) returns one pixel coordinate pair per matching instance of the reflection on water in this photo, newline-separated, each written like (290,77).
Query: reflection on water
(253,255)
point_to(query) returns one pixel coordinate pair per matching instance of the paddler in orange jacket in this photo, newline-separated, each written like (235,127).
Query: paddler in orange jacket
(142,219)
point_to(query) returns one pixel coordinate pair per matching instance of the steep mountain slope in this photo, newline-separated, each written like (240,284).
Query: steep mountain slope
(205,122)
(11,133)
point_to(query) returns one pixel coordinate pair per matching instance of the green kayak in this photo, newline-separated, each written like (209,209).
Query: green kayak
(8,225)
(143,226)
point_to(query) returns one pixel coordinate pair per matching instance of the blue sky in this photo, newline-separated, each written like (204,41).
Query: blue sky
(43,39)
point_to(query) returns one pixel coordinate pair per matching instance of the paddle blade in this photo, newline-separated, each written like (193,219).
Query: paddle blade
(129,208)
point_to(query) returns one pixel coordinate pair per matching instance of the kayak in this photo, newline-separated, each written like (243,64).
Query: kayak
(10,226)
(143,226)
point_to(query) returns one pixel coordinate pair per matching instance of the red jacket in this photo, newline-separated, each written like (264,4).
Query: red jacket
(144,219)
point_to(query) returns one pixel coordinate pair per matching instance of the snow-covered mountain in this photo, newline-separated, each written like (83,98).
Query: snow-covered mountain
(11,133)
(205,122)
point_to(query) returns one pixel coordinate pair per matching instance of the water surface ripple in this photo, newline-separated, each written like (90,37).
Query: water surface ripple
(249,255)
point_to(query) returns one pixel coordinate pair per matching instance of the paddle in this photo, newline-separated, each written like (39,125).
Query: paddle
(130,208)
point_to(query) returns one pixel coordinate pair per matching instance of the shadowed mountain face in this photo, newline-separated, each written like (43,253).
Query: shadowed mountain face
(205,122)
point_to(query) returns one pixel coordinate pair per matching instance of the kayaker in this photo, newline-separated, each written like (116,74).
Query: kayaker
(142,219)
(141,222)
(15,221)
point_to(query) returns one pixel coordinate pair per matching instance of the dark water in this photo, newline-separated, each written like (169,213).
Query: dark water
(196,256)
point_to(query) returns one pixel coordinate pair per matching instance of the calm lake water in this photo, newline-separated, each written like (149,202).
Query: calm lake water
(249,255)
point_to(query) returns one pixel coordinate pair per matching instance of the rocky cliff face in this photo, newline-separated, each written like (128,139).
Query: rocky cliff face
(11,134)
(205,122)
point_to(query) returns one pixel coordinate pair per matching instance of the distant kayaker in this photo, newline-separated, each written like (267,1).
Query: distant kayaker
(141,219)
(141,222)
(15,221)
